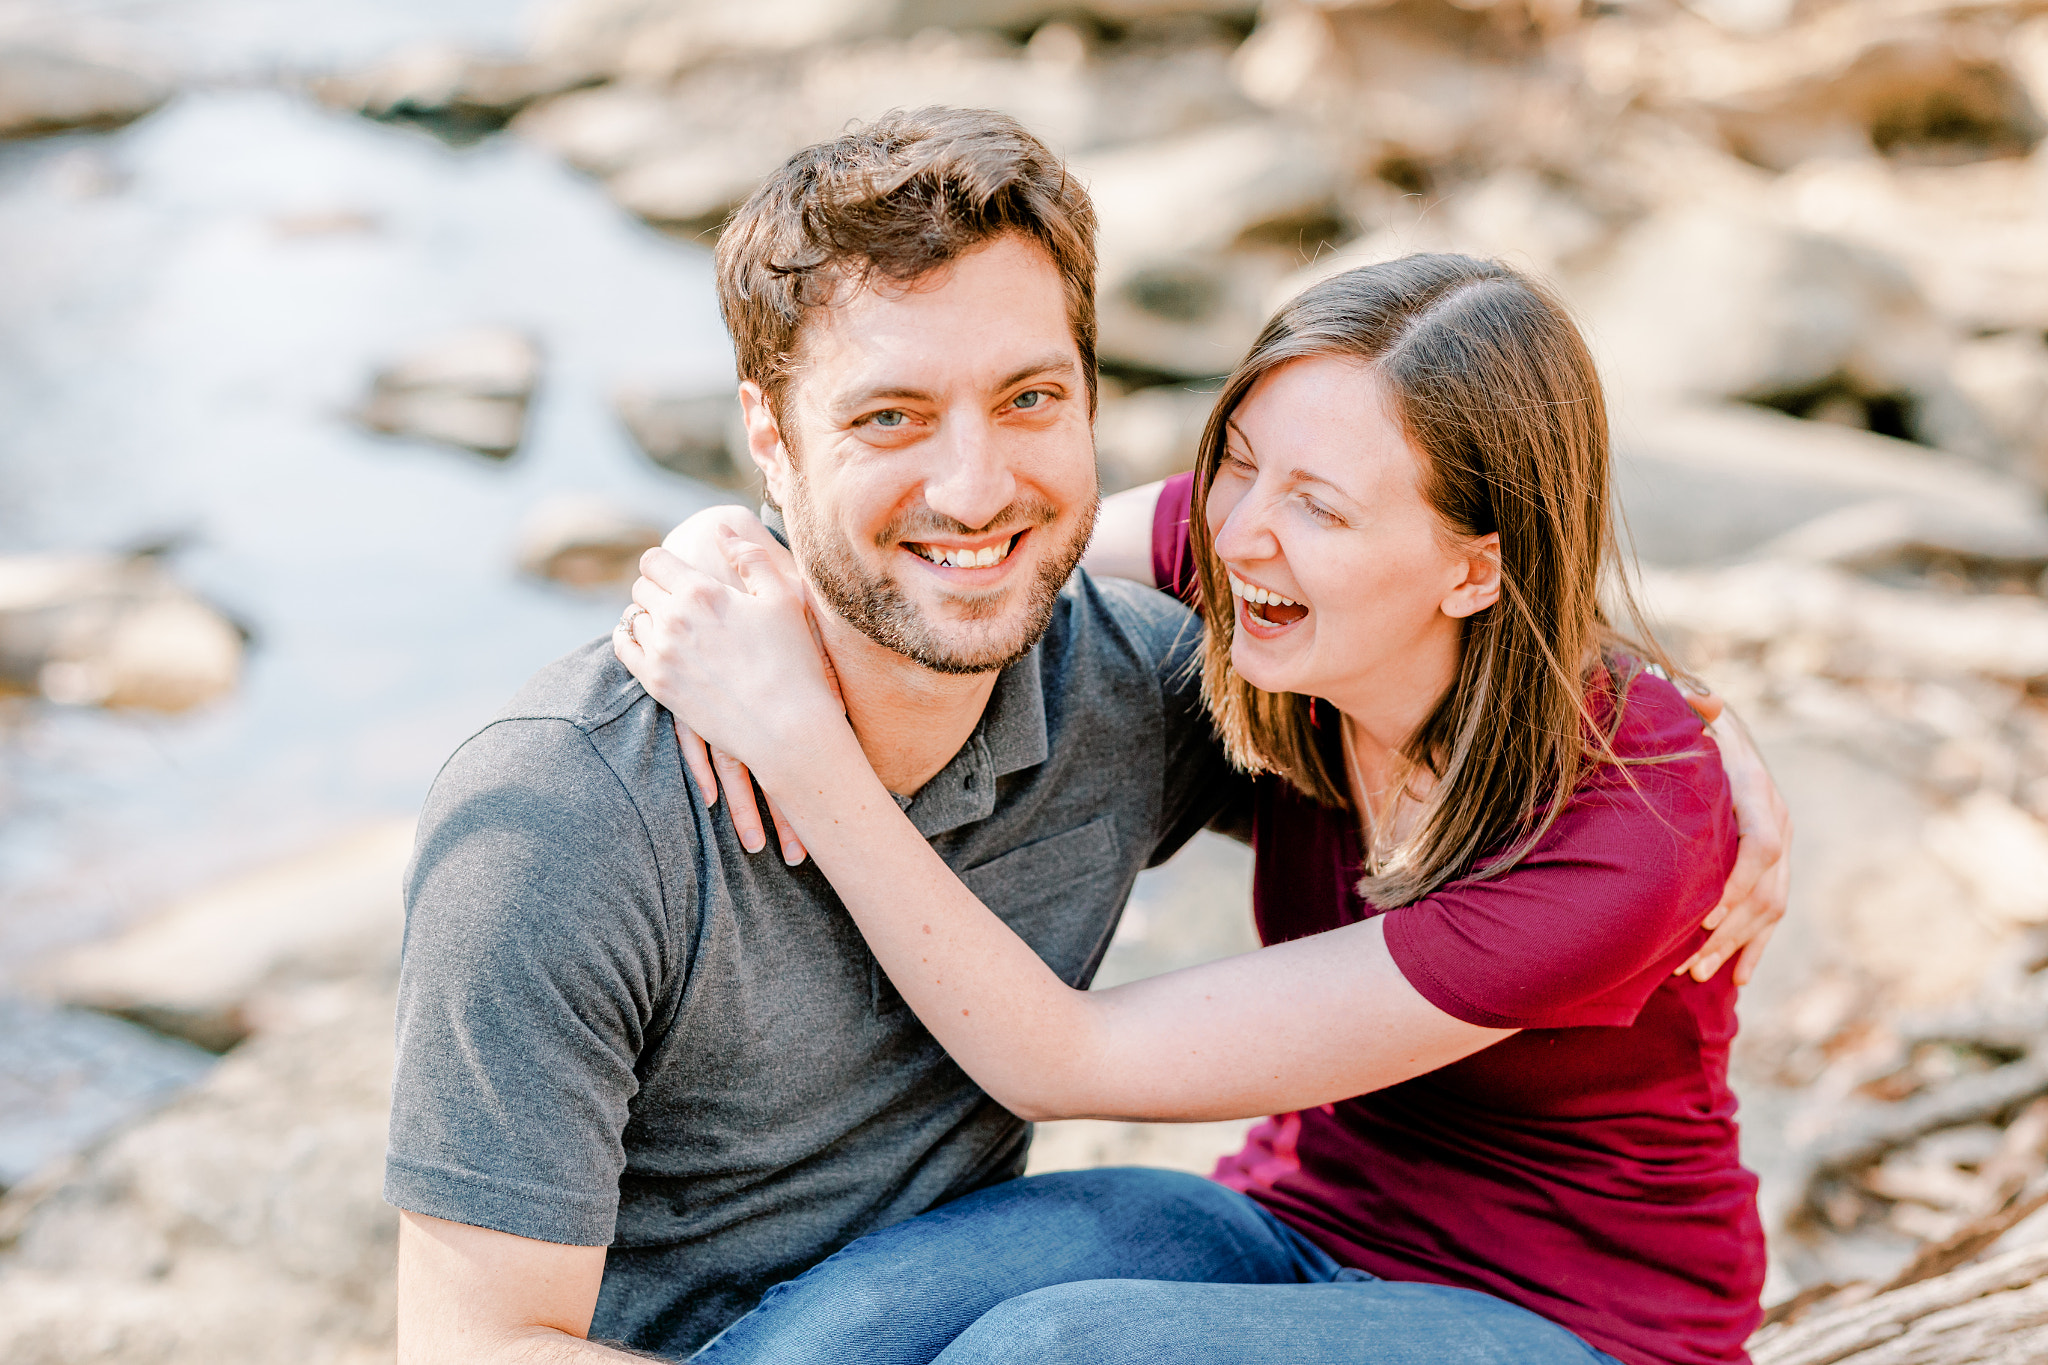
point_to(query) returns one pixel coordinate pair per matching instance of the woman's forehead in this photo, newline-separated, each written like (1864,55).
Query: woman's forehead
(1329,418)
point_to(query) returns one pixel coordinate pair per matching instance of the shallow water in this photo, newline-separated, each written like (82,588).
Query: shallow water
(180,340)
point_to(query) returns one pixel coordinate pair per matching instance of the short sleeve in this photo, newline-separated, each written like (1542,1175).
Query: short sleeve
(535,955)
(1584,928)
(1173,560)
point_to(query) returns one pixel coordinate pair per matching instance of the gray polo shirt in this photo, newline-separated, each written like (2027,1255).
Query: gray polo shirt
(617,1028)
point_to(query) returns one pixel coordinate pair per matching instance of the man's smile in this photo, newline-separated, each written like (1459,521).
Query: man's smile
(974,556)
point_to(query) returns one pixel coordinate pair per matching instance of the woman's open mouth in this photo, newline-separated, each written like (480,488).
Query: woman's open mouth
(1264,611)
(984,556)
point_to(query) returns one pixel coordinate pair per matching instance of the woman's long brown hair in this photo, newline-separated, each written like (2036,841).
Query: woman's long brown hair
(1498,394)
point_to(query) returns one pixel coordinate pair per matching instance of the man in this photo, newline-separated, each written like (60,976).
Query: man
(644,1076)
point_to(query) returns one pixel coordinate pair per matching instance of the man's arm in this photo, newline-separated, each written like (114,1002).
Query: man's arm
(473,1295)
(537,947)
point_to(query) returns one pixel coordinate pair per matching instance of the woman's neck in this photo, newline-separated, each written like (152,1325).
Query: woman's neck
(1380,719)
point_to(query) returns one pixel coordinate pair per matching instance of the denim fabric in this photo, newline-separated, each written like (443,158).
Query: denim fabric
(1110,1266)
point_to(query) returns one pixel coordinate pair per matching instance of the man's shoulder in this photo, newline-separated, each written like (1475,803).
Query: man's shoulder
(587,688)
(578,745)
(1143,619)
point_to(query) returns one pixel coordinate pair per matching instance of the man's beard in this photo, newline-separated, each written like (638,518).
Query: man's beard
(876,605)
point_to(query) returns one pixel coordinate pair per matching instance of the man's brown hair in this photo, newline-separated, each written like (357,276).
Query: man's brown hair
(893,201)
(1497,394)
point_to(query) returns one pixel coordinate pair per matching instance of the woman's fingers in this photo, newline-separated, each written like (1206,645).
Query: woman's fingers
(697,758)
(739,803)
(1745,966)
(793,850)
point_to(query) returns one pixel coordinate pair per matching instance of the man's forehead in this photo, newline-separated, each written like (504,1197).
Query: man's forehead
(980,321)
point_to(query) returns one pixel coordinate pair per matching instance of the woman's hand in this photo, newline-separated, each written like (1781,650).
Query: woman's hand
(695,543)
(1753,900)
(750,632)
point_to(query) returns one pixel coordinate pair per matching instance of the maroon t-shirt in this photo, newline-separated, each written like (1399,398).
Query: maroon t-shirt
(1585,1168)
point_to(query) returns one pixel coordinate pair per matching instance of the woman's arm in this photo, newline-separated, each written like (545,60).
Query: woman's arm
(1122,545)
(694,541)
(1285,1027)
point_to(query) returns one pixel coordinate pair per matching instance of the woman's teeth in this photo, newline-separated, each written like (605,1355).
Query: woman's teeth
(1253,593)
(954,558)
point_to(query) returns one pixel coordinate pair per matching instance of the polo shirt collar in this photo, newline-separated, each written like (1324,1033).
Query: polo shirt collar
(1010,738)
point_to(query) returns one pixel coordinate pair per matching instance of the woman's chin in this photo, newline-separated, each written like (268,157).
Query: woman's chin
(1252,659)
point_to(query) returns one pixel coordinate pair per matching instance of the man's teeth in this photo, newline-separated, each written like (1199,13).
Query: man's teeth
(1253,593)
(968,559)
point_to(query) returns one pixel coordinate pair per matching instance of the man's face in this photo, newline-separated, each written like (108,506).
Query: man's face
(935,463)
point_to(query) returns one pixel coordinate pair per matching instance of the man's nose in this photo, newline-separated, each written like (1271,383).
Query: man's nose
(970,480)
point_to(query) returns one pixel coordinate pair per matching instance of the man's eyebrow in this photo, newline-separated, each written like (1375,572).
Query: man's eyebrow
(862,397)
(1042,365)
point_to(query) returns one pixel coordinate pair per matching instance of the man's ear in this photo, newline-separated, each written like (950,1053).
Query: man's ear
(764,442)
(1480,588)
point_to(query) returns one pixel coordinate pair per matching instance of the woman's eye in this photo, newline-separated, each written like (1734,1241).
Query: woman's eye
(1320,512)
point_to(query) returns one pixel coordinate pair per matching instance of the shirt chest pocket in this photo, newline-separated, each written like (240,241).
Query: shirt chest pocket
(1060,894)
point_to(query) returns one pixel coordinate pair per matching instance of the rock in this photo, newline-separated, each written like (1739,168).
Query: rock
(584,542)
(215,965)
(1195,231)
(1911,83)
(2008,378)
(694,188)
(698,435)
(468,389)
(240,1225)
(1413,85)
(47,92)
(111,630)
(1998,851)
(1085,1144)
(1705,484)
(452,91)
(1699,302)
(68,1076)
(1856,627)
(1149,435)
(684,154)
(659,39)
(1969,235)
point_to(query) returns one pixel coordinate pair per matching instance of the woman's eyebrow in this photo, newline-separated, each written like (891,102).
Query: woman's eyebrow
(1297,475)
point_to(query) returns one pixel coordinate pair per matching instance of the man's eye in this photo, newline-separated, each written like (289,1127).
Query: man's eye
(1032,398)
(891,417)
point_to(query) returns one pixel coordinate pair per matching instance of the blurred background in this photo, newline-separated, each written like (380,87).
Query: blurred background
(351,353)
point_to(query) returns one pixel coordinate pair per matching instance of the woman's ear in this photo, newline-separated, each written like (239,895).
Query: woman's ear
(1480,588)
(764,442)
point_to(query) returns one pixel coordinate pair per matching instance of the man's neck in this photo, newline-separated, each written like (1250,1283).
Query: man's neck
(910,720)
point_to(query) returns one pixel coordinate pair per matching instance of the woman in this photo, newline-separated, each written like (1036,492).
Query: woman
(1486,837)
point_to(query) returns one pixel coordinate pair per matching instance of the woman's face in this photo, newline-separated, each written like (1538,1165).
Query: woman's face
(1317,510)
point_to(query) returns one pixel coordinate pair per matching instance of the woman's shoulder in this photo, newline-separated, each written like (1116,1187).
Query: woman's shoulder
(1658,742)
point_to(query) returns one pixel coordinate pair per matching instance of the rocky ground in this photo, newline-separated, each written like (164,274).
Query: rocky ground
(1810,241)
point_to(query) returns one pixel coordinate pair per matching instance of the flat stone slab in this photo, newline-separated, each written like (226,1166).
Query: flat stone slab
(68,1076)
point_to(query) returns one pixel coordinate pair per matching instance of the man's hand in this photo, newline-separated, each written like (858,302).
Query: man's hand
(1753,900)
(470,1295)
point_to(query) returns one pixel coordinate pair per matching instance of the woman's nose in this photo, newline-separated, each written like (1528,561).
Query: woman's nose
(1246,535)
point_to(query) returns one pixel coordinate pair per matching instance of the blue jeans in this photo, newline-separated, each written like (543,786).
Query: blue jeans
(1120,1267)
